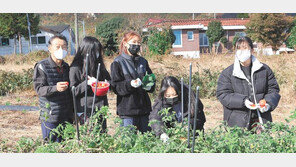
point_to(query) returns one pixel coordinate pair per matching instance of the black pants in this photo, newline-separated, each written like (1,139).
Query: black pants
(47,133)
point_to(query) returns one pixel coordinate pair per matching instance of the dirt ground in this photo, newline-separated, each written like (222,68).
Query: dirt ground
(17,124)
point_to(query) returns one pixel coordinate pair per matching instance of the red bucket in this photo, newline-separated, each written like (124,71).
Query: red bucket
(102,88)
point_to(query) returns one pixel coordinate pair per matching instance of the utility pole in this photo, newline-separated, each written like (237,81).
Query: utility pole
(192,16)
(70,41)
(76,32)
(29,30)
(214,15)
(83,27)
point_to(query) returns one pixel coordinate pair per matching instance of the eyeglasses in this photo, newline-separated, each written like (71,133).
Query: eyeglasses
(57,47)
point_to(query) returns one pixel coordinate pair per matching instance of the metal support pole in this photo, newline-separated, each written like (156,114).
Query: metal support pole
(85,95)
(29,30)
(195,117)
(93,104)
(182,99)
(189,105)
(76,32)
(75,112)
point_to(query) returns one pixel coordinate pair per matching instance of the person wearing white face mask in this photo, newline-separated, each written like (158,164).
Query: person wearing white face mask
(51,81)
(246,84)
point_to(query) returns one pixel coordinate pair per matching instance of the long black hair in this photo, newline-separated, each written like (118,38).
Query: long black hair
(92,47)
(169,81)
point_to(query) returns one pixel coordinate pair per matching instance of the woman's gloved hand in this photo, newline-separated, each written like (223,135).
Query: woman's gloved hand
(91,80)
(136,83)
(164,137)
(250,105)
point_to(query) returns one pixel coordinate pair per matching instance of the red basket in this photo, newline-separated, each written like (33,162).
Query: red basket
(102,88)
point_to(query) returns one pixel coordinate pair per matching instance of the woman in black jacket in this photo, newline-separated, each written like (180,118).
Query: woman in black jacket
(245,84)
(170,97)
(93,47)
(127,72)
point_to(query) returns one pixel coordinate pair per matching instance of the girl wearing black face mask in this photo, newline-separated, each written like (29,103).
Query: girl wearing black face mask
(170,97)
(127,72)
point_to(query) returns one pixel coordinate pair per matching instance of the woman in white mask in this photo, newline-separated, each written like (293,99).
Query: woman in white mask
(247,89)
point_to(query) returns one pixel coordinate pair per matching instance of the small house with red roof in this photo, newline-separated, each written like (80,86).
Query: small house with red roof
(191,39)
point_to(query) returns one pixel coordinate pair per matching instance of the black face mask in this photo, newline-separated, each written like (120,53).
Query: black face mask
(171,101)
(134,49)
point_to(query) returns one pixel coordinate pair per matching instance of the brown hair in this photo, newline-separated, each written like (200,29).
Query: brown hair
(126,37)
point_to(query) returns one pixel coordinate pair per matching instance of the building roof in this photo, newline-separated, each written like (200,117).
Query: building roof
(204,22)
(54,29)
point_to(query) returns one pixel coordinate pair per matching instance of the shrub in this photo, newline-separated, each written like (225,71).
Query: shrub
(206,80)
(234,41)
(108,33)
(276,138)
(2,60)
(160,42)
(25,145)
(30,58)
(215,32)
(11,81)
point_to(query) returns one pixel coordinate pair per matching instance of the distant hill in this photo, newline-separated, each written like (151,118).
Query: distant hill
(139,19)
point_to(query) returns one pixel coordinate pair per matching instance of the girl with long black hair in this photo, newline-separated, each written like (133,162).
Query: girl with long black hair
(92,47)
(170,97)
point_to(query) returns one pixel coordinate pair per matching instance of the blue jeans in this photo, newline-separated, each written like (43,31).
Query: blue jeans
(46,128)
(141,122)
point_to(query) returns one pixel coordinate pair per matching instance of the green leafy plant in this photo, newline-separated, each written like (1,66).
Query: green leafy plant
(291,41)
(215,32)
(160,42)
(108,31)
(276,138)
(148,80)
(269,28)
(235,38)
(10,81)
(206,80)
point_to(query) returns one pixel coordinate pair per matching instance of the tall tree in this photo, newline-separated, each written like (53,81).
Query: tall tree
(242,15)
(291,41)
(14,25)
(160,42)
(269,28)
(108,32)
(215,32)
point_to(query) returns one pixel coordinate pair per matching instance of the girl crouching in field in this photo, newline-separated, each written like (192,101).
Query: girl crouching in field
(170,97)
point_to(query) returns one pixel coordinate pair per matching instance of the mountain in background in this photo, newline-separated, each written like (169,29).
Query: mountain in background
(91,20)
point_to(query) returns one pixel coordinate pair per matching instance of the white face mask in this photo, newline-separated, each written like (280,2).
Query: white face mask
(60,53)
(243,55)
